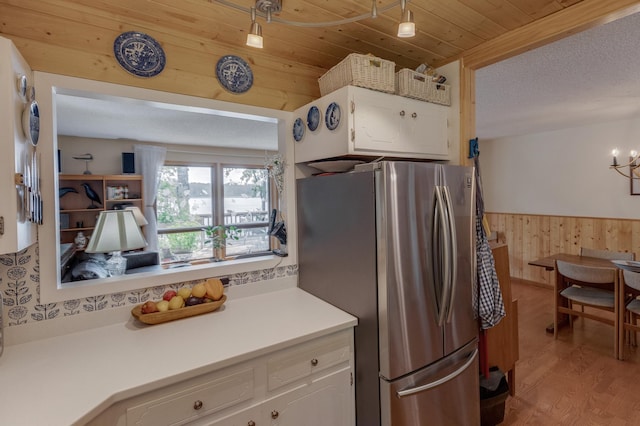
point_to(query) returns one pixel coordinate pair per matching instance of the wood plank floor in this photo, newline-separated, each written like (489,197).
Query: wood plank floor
(574,380)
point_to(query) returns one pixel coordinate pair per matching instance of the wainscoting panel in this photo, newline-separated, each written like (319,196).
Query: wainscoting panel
(531,237)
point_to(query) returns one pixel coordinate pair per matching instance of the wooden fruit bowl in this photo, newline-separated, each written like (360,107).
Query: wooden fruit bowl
(187,311)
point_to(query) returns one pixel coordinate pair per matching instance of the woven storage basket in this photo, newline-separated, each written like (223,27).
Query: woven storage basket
(360,70)
(411,84)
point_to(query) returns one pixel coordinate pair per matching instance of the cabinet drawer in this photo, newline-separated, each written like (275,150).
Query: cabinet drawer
(294,364)
(196,401)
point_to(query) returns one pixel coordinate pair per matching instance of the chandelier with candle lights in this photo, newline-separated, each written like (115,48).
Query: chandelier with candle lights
(632,165)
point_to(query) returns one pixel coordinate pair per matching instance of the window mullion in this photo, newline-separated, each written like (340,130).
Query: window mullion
(217,194)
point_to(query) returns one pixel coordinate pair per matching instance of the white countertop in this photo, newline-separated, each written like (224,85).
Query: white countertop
(71,378)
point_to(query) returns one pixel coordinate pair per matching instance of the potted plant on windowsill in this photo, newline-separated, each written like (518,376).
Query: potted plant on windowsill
(218,236)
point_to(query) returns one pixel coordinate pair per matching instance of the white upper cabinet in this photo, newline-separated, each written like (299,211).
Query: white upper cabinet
(357,121)
(16,230)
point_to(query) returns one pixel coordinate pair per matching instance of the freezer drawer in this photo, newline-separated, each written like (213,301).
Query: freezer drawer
(444,393)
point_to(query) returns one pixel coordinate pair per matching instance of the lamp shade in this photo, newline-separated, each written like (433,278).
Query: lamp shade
(140,219)
(254,38)
(116,230)
(407,27)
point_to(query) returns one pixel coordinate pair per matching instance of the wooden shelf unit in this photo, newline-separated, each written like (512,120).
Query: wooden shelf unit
(82,218)
(502,340)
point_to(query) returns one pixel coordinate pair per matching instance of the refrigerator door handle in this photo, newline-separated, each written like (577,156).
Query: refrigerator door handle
(453,257)
(442,225)
(431,385)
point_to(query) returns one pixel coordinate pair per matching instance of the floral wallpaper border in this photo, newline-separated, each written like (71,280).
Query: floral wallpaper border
(20,289)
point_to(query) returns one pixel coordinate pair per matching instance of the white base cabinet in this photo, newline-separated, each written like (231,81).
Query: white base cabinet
(373,123)
(309,384)
(323,402)
(326,401)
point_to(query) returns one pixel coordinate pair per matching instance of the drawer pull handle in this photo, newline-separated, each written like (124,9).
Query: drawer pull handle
(197,405)
(314,362)
(251,423)
(274,414)
(414,115)
(402,113)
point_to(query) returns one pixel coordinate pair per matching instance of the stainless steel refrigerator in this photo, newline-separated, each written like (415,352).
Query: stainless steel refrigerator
(393,244)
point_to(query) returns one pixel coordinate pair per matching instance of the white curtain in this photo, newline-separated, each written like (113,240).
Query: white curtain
(149,162)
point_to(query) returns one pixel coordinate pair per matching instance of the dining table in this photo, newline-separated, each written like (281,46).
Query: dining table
(549,264)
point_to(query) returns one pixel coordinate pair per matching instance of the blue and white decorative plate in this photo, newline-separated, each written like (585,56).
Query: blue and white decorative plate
(139,54)
(31,122)
(332,116)
(234,74)
(313,118)
(298,129)
(22,85)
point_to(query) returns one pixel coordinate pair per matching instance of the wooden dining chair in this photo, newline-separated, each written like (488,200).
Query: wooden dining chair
(629,309)
(607,254)
(590,286)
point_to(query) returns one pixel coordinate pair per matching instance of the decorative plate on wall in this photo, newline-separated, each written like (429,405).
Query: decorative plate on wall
(332,116)
(31,123)
(22,87)
(139,54)
(313,118)
(298,129)
(234,74)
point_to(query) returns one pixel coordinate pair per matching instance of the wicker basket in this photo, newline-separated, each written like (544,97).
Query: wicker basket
(360,70)
(411,84)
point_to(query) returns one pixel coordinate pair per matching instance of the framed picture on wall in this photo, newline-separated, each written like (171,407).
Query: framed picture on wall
(634,181)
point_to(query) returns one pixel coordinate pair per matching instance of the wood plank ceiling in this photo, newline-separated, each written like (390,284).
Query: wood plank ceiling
(75,37)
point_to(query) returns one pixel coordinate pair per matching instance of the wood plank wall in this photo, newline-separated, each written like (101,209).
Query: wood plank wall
(75,38)
(534,236)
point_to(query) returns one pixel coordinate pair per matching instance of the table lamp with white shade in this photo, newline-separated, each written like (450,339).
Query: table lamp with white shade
(137,213)
(116,231)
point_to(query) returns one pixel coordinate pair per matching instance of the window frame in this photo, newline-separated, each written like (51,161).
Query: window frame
(217,200)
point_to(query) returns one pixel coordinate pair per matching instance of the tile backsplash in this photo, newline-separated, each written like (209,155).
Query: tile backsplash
(20,288)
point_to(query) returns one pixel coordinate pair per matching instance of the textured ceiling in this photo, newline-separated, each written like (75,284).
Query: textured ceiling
(115,118)
(588,77)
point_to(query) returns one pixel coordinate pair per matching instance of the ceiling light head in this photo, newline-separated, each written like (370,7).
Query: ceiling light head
(407,27)
(254,38)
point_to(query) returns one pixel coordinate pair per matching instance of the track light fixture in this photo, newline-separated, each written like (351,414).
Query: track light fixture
(267,8)
(407,27)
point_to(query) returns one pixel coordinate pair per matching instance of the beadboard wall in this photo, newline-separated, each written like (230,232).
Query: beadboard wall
(20,287)
(531,237)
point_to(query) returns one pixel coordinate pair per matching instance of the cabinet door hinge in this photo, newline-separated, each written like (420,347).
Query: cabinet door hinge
(353,107)
(353,135)
(351,380)
(1,225)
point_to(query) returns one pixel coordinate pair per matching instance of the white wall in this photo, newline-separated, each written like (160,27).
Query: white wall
(564,172)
